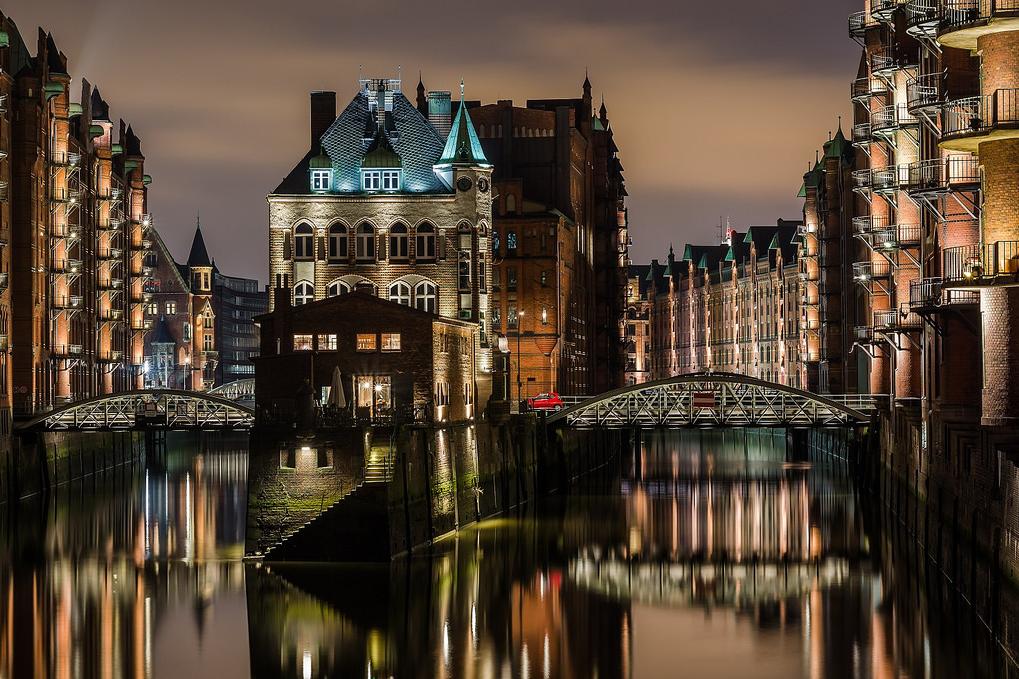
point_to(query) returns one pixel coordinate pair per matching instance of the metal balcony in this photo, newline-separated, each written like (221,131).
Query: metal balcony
(66,266)
(111,253)
(145,324)
(923,93)
(110,356)
(865,272)
(922,18)
(887,120)
(886,60)
(65,350)
(4,192)
(859,24)
(978,266)
(64,159)
(883,10)
(863,89)
(111,314)
(929,295)
(938,176)
(889,179)
(963,21)
(864,334)
(111,283)
(862,134)
(967,122)
(893,320)
(65,302)
(863,181)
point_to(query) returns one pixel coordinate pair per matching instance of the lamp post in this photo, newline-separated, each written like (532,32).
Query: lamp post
(520,385)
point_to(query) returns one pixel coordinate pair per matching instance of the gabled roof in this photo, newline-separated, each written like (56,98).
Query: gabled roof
(199,255)
(463,146)
(53,59)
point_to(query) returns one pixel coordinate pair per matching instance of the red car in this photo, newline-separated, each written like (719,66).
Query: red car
(547,401)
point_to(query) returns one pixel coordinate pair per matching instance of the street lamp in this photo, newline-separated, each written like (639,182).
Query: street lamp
(520,385)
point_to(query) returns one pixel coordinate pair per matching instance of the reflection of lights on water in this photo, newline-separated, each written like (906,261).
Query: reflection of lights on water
(525,662)
(474,624)
(546,659)
(445,641)
(306,666)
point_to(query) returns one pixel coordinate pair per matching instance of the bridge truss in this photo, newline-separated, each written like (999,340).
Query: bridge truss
(162,409)
(716,400)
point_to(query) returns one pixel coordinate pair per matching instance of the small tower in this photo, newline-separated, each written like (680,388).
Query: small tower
(203,337)
(422,98)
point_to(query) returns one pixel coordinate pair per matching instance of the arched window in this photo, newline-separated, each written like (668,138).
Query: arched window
(304,292)
(304,242)
(399,292)
(425,245)
(425,295)
(338,242)
(366,242)
(337,288)
(399,242)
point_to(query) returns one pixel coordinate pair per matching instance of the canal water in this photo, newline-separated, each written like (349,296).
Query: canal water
(697,555)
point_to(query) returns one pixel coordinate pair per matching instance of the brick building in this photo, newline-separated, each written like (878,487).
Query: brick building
(391,198)
(831,301)
(75,228)
(638,327)
(394,360)
(733,307)
(559,242)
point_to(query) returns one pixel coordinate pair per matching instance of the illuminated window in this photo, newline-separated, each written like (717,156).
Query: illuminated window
(496,318)
(399,242)
(366,242)
(338,242)
(321,180)
(371,180)
(304,242)
(366,342)
(544,316)
(425,245)
(511,242)
(303,343)
(152,309)
(511,278)
(207,342)
(464,271)
(425,295)
(511,317)
(327,342)
(390,180)
(399,292)
(304,292)
(171,308)
(390,341)
(495,242)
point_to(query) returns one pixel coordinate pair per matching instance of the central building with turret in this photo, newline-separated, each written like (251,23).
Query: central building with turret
(392,198)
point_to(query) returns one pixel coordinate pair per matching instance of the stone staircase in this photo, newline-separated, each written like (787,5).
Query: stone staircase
(378,471)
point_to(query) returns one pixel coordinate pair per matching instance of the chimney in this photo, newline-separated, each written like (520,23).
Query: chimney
(439,112)
(323,113)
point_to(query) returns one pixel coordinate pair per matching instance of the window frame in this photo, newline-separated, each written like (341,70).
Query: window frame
(371,180)
(303,341)
(425,242)
(365,241)
(338,244)
(392,347)
(399,242)
(321,180)
(426,294)
(304,242)
(401,293)
(391,180)
(303,290)
(362,344)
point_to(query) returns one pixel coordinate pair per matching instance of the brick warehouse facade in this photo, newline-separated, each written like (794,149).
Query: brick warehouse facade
(560,242)
(75,208)
(384,201)
(733,307)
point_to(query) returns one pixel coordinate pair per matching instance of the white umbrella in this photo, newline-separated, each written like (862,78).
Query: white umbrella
(336,397)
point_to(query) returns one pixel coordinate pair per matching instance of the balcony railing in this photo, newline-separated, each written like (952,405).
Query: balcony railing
(896,321)
(939,175)
(978,116)
(863,180)
(884,60)
(66,350)
(888,119)
(67,302)
(958,14)
(866,271)
(111,314)
(110,253)
(985,265)
(882,10)
(862,134)
(4,192)
(865,88)
(864,226)
(145,324)
(111,283)
(922,17)
(110,356)
(64,265)
(924,91)
(929,294)
(889,179)
(896,236)
(864,334)
(859,24)
(5,279)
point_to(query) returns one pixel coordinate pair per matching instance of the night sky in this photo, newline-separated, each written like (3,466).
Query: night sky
(717,106)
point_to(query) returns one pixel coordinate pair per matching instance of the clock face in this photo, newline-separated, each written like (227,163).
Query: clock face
(483,185)
(464,183)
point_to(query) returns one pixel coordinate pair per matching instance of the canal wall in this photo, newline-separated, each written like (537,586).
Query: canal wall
(34,463)
(438,480)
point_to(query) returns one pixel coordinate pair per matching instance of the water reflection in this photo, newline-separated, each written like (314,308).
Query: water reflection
(697,556)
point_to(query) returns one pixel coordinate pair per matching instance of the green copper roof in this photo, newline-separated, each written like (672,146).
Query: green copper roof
(381,153)
(774,243)
(836,148)
(802,193)
(463,146)
(321,161)
(596,124)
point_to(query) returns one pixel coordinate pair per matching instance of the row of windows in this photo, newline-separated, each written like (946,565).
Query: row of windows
(371,180)
(365,342)
(423,296)
(338,246)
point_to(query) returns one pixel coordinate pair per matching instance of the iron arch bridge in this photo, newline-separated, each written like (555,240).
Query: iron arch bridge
(715,400)
(160,409)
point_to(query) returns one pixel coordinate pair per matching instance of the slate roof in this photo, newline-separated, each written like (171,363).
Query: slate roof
(199,255)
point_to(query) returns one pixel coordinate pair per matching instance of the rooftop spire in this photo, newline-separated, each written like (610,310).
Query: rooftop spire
(199,256)
(463,146)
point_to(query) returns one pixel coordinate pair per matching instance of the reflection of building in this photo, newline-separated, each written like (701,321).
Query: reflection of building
(559,242)
(76,234)
(637,331)
(732,307)
(384,201)
(393,360)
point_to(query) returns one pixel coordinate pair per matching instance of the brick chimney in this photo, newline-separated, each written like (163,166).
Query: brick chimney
(323,113)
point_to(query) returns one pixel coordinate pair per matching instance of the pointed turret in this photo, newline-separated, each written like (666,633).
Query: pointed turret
(199,256)
(100,109)
(603,114)
(422,99)
(463,148)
